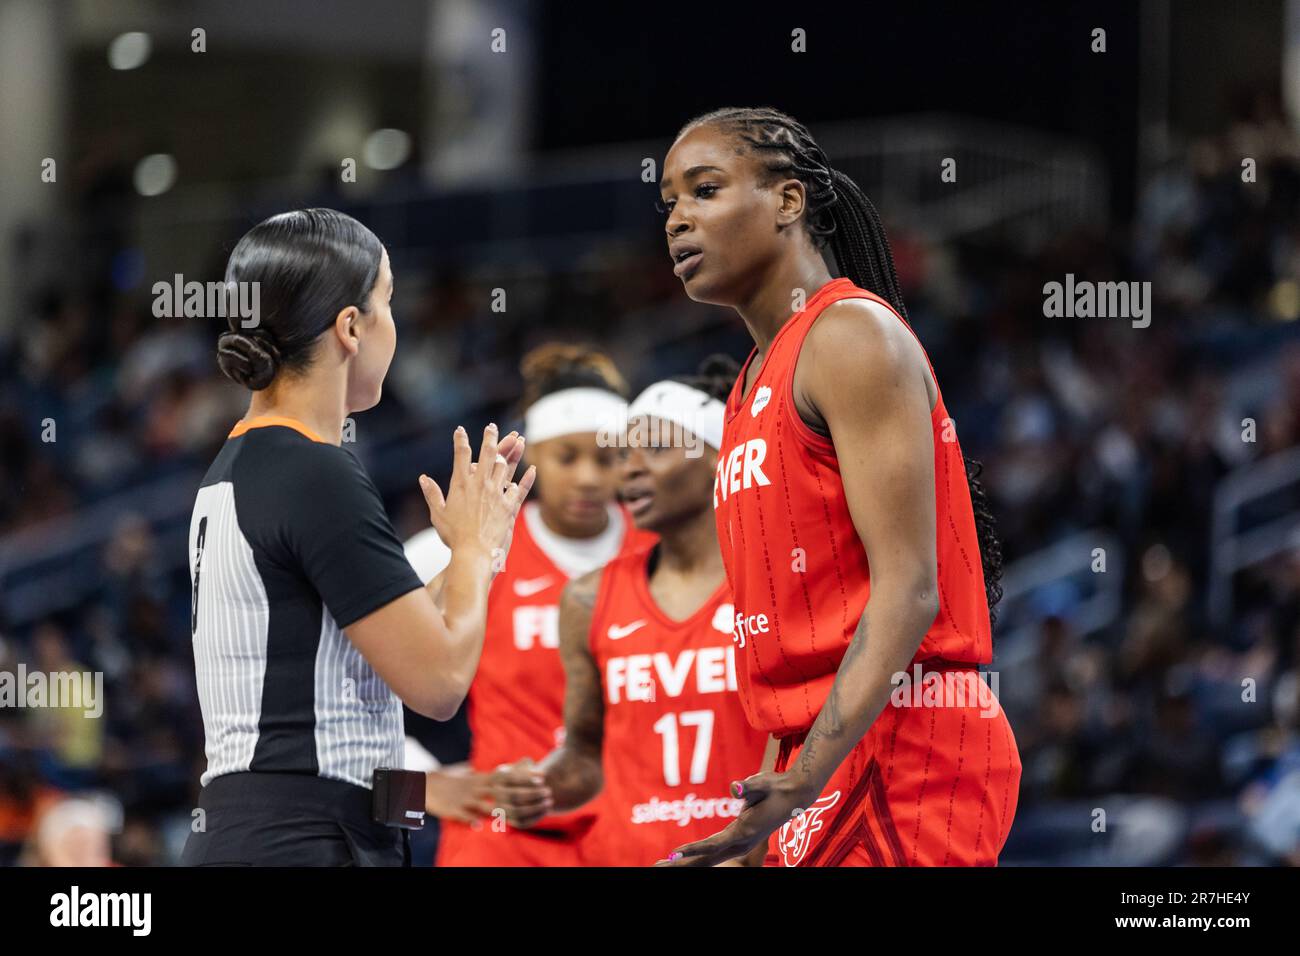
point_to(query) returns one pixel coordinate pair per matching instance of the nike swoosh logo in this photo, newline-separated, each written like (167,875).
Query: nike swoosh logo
(532,586)
(617,633)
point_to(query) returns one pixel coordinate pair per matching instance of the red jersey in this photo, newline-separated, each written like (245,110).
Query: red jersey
(516,702)
(797,569)
(675,732)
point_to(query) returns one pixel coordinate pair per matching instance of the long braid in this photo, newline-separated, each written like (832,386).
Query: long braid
(841,217)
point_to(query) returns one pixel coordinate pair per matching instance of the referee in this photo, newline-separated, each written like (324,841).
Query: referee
(310,629)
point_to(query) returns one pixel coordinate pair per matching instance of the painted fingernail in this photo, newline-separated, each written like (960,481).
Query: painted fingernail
(674,856)
(739,788)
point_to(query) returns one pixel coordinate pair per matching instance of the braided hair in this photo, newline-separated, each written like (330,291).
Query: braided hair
(715,376)
(842,221)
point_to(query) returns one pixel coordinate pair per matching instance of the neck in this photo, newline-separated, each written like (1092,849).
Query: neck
(773,302)
(692,546)
(318,403)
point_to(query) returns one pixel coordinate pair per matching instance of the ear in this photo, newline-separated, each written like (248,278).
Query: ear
(791,201)
(345,329)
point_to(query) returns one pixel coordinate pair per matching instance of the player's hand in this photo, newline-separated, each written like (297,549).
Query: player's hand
(520,790)
(458,793)
(482,498)
(771,800)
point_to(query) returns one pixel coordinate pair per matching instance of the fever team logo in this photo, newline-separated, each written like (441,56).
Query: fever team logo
(795,837)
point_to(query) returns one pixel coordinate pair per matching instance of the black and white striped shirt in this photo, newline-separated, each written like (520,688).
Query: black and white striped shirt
(289,544)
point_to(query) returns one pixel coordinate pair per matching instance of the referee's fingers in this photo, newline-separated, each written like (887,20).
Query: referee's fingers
(433,498)
(509,452)
(497,469)
(518,492)
(487,453)
(511,447)
(460,455)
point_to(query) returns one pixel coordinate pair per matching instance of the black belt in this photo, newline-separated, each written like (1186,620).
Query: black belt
(396,799)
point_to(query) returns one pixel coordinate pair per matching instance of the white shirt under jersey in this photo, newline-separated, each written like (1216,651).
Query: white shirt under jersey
(574,556)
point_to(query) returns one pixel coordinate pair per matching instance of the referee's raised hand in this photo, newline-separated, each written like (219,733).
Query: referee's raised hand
(482,498)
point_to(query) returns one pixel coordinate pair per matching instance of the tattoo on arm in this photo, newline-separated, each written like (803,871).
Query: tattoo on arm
(573,770)
(833,725)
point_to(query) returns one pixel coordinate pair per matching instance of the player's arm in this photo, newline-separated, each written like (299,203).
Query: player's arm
(571,774)
(867,382)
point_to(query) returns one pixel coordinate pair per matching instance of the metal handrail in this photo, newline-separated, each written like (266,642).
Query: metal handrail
(1232,550)
(1067,560)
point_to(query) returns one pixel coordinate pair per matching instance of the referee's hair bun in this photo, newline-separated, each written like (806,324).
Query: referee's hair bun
(250,360)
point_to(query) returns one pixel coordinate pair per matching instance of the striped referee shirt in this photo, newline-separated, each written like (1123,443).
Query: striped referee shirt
(289,544)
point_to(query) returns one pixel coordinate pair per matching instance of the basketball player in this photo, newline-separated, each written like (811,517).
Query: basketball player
(571,393)
(651,709)
(839,478)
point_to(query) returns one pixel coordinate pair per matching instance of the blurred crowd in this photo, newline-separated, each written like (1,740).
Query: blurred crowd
(1160,738)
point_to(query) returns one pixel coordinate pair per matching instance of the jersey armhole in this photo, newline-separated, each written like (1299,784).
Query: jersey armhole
(803,431)
(818,444)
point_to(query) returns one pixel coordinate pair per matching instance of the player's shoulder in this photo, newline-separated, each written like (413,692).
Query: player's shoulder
(861,337)
(850,324)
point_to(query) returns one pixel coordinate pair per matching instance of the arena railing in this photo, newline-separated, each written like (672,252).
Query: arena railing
(1079,578)
(1256,518)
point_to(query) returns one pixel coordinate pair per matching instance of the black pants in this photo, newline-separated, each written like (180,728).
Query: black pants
(287,819)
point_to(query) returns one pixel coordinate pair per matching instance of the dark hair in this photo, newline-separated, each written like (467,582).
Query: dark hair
(715,377)
(842,219)
(554,366)
(309,264)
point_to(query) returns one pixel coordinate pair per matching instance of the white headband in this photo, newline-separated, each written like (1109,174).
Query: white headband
(696,411)
(571,411)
